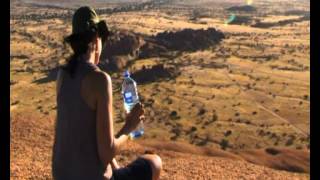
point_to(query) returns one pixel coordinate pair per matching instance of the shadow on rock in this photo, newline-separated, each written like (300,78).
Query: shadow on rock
(124,47)
(51,76)
(155,73)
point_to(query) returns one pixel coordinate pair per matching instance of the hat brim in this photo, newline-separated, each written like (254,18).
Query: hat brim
(103,30)
(100,27)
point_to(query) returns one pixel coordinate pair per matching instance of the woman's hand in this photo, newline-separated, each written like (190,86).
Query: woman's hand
(108,173)
(114,164)
(134,117)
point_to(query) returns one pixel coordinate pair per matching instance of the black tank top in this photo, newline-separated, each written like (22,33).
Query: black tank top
(75,152)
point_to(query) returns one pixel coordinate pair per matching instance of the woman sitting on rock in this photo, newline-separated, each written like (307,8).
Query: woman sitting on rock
(85,145)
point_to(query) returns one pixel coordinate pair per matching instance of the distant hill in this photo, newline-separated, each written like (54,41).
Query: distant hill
(245,8)
(81,1)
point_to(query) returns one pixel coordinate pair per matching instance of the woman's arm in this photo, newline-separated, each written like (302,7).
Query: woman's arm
(108,145)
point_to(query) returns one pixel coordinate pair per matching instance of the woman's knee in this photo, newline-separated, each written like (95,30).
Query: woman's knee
(155,162)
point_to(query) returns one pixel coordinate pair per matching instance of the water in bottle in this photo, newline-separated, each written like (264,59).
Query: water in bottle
(131,98)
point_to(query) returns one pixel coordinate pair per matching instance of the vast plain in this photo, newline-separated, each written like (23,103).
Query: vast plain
(225,84)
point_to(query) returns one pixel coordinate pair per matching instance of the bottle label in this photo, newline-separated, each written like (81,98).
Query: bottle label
(128,97)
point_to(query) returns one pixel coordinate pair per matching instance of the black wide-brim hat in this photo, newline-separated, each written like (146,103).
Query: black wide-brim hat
(85,20)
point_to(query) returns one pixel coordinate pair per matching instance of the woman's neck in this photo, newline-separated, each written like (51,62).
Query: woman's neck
(88,57)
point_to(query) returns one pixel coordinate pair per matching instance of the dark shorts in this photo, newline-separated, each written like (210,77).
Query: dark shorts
(140,169)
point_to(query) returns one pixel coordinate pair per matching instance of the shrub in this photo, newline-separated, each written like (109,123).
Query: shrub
(224,144)
(176,131)
(173,113)
(273,135)
(201,111)
(261,132)
(192,129)
(173,138)
(228,133)
(214,117)
(272,151)
(15,102)
(289,142)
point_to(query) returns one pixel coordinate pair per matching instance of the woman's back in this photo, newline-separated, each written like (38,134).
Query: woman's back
(75,154)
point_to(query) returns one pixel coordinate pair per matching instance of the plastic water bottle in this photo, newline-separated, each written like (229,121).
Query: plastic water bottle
(130,99)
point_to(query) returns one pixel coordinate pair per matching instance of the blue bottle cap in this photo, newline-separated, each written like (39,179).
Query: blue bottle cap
(126,73)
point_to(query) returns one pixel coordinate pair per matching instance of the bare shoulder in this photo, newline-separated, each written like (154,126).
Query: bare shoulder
(99,81)
(100,76)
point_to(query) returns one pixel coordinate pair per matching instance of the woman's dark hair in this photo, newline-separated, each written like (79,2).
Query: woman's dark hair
(80,44)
